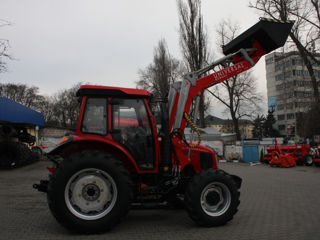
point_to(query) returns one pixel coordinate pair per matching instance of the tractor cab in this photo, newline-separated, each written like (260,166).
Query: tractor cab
(122,115)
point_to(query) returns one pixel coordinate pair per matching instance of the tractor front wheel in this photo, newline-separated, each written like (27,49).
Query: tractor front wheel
(90,192)
(212,198)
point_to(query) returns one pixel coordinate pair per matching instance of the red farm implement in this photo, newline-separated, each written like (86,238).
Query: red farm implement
(290,155)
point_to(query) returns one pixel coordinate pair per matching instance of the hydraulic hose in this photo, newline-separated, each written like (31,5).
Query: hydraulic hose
(194,127)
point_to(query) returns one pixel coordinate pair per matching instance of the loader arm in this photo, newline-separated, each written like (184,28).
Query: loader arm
(242,53)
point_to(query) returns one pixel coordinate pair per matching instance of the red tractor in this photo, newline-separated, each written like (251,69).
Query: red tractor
(119,159)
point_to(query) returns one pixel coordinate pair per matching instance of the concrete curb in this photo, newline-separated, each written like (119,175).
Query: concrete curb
(225,161)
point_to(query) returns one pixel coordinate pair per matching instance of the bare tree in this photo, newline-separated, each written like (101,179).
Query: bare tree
(238,94)
(46,107)
(306,31)
(161,73)
(4,49)
(65,107)
(21,93)
(193,41)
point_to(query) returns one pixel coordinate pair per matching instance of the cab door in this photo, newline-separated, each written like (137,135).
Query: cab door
(131,127)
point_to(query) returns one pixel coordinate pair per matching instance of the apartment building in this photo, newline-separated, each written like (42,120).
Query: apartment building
(289,88)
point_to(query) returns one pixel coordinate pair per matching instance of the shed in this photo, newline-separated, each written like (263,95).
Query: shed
(15,116)
(13,112)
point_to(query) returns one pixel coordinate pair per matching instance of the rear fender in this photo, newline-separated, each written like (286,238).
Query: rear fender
(76,145)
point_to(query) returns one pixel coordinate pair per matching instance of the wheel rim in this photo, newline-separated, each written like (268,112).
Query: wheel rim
(309,160)
(90,194)
(215,199)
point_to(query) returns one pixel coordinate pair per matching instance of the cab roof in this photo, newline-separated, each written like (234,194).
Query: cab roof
(94,90)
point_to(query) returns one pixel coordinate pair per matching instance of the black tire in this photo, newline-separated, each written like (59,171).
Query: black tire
(6,155)
(15,154)
(107,172)
(7,131)
(24,154)
(207,185)
(308,160)
(37,151)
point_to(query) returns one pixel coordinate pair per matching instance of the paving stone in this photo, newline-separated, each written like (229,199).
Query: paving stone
(276,203)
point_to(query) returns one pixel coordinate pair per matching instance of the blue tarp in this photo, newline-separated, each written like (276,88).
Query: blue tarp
(11,111)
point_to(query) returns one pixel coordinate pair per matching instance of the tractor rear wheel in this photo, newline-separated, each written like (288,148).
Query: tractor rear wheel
(90,192)
(212,198)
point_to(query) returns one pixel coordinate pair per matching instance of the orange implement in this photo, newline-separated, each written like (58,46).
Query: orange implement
(282,160)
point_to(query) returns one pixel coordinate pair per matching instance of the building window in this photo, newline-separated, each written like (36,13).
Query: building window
(289,106)
(286,64)
(278,67)
(301,94)
(290,116)
(289,84)
(307,94)
(299,83)
(280,106)
(282,127)
(269,61)
(298,94)
(304,73)
(302,104)
(280,86)
(281,117)
(279,77)
(288,74)
(289,95)
(281,97)
(299,62)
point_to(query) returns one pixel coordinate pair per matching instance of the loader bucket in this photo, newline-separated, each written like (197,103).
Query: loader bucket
(270,34)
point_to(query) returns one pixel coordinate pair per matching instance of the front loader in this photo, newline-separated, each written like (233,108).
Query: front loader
(119,158)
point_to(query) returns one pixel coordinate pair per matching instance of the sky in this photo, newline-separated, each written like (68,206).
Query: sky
(56,44)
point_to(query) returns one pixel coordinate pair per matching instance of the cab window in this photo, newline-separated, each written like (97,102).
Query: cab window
(95,116)
(131,127)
